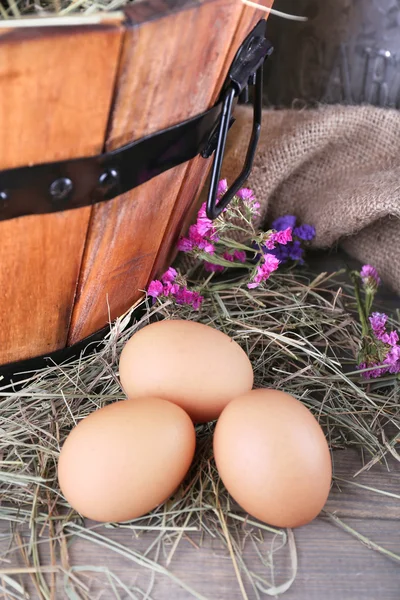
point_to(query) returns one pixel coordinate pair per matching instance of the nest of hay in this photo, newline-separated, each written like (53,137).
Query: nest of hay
(301,335)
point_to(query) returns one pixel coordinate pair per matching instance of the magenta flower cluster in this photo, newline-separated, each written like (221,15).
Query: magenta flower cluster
(206,239)
(381,351)
(391,360)
(168,287)
(268,265)
(292,249)
(203,235)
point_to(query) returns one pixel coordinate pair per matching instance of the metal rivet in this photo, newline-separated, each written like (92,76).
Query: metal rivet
(61,188)
(109,178)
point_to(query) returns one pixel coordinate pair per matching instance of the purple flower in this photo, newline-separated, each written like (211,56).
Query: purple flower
(196,300)
(295,251)
(378,323)
(284,222)
(211,268)
(389,338)
(373,373)
(170,289)
(185,245)
(369,276)
(185,296)
(304,232)
(240,255)
(155,288)
(169,276)
(393,355)
(281,253)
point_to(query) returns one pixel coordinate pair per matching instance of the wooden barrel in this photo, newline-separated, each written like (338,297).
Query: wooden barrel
(79,86)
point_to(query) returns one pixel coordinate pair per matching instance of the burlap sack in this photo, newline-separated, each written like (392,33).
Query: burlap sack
(337,168)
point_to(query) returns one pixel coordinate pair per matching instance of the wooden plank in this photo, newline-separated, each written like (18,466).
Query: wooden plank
(195,177)
(331,564)
(168,72)
(55,92)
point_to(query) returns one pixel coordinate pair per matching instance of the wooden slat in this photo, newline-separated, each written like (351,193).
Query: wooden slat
(332,565)
(197,171)
(56,87)
(169,70)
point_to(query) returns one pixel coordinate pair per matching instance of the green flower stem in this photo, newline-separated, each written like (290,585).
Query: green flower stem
(236,245)
(369,298)
(360,306)
(218,260)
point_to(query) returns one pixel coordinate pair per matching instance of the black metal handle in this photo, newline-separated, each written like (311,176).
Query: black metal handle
(215,206)
(246,70)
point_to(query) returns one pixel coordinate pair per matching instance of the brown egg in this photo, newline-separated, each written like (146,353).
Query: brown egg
(123,460)
(195,366)
(273,458)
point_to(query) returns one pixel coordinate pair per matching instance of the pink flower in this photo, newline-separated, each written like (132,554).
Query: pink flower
(211,268)
(270,264)
(222,188)
(283,237)
(369,276)
(170,289)
(194,235)
(279,237)
(207,246)
(249,200)
(202,211)
(185,245)
(238,255)
(155,288)
(204,225)
(246,194)
(169,276)
(270,242)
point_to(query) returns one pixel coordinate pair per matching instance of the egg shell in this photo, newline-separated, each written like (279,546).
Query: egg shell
(195,366)
(125,459)
(273,458)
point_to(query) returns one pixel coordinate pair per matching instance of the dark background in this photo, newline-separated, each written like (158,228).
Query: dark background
(348,52)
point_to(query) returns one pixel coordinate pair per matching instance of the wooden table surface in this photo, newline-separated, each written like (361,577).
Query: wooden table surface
(331,563)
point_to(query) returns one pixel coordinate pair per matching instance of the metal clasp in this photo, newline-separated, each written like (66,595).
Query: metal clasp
(246,70)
